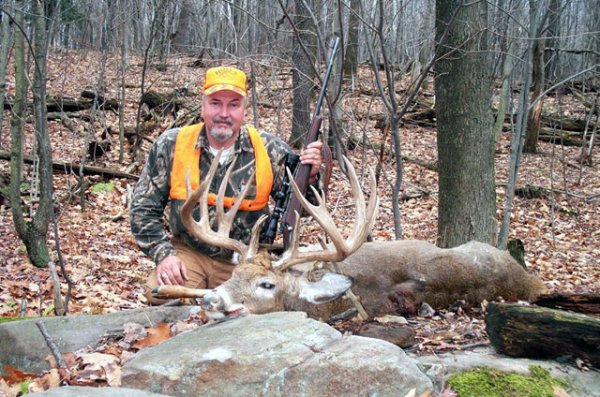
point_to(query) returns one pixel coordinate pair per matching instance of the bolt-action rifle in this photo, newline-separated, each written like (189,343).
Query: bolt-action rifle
(287,204)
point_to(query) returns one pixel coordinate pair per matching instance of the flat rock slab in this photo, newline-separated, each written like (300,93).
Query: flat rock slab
(77,391)
(24,347)
(441,366)
(400,335)
(273,354)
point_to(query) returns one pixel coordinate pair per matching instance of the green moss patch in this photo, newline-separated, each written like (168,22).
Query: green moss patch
(8,319)
(489,382)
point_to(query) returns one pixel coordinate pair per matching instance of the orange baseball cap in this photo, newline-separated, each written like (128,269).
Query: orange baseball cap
(224,78)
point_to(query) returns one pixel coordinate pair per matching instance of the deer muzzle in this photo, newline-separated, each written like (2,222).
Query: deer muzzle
(212,302)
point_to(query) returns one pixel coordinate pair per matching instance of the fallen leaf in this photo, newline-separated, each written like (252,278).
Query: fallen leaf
(156,335)
(13,375)
(390,319)
(559,391)
(7,390)
(411,393)
(100,366)
(45,382)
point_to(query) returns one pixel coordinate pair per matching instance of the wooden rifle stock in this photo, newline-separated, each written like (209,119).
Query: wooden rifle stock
(294,208)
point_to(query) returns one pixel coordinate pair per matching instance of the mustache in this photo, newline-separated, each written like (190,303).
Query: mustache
(226,120)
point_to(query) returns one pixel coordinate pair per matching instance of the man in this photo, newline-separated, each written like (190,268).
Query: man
(181,259)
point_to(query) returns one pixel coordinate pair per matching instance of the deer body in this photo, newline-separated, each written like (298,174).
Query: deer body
(391,276)
(397,276)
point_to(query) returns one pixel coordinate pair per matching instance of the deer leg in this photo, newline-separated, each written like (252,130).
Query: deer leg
(405,298)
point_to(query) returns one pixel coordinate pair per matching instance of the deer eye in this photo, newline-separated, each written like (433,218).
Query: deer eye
(266,285)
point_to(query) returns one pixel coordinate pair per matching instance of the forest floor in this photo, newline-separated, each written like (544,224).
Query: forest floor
(560,229)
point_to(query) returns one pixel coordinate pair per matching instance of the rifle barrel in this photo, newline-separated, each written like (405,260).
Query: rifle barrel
(333,46)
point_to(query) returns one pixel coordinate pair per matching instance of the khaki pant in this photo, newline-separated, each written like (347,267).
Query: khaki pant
(203,271)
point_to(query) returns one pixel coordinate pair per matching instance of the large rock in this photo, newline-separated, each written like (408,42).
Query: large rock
(274,354)
(78,391)
(441,366)
(24,347)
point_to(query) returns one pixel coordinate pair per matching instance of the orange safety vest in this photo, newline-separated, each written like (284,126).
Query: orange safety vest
(186,157)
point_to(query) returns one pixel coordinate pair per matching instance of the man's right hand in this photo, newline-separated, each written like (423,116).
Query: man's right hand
(171,270)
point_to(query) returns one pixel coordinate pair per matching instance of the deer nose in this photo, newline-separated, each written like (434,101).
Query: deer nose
(212,302)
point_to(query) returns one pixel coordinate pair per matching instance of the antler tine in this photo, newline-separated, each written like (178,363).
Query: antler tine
(365,218)
(202,229)
(225,220)
(254,238)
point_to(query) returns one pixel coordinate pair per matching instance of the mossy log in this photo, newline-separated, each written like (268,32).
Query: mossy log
(539,332)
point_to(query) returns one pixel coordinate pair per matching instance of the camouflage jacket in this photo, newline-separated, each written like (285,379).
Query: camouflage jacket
(151,194)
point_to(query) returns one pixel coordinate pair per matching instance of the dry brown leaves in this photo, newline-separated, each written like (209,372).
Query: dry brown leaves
(560,232)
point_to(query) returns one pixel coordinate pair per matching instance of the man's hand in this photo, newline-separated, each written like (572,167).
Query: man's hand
(312,156)
(171,270)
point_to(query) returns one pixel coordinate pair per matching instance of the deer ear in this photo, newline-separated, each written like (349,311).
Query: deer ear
(328,288)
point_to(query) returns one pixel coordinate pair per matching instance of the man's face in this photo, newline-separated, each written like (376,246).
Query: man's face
(223,113)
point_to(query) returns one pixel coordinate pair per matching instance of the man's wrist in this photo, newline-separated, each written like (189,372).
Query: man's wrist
(163,253)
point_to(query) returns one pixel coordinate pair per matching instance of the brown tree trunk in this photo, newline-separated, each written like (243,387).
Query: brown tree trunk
(535,113)
(301,75)
(466,143)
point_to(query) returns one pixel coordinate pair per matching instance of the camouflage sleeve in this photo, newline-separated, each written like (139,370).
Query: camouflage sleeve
(150,197)
(277,150)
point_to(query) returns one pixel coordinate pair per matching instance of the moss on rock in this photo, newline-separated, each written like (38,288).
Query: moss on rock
(490,382)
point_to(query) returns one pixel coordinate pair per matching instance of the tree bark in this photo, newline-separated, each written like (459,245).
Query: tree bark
(301,75)
(535,113)
(351,56)
(37,248)
(541,333)
(17,124)
(4,49)
(580,303)
(466,144)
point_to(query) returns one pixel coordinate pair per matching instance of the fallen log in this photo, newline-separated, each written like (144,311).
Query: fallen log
(64,104)
(64,166)
(539,332)
(580,303)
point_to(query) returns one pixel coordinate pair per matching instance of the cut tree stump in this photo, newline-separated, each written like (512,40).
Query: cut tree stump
(539,332)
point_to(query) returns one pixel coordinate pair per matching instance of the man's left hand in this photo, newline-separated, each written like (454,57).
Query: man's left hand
(311,155)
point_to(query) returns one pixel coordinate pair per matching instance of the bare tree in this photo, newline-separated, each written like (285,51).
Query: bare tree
(4,51)
(33,232)
(302,72)
(391,105)
(351,56)
(518,136)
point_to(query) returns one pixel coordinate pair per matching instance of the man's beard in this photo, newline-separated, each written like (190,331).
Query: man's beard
(221,133)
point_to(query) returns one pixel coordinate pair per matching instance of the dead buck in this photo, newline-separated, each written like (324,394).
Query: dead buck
(390,276)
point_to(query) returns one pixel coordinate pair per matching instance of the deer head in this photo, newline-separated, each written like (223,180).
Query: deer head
(261,283)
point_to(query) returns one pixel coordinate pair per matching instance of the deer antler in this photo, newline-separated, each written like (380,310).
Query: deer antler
(365,217)
(202,229)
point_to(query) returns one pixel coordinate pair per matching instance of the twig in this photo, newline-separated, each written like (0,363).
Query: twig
(23,308)
(51,345)
(58,303)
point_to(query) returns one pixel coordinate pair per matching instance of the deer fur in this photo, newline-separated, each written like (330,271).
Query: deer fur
(398,276)
(389,277)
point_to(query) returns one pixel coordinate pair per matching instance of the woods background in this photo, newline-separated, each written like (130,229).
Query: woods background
(458,105)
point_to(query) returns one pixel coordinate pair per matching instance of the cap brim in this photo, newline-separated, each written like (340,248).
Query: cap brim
(224,87)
